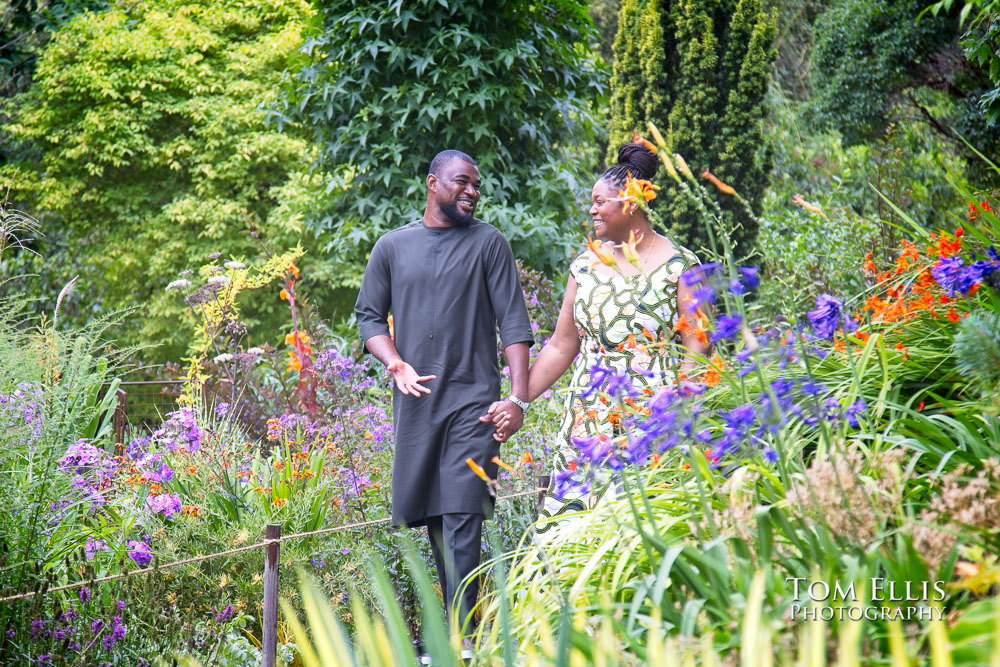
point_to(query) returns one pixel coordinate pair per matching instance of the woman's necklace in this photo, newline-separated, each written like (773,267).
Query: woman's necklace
(649,251)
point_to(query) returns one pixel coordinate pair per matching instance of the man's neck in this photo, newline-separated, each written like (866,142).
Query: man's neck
(437,220)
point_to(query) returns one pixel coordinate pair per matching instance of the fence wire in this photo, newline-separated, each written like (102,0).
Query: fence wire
(197,559)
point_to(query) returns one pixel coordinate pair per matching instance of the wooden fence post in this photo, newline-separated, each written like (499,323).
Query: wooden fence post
(269,641)
(119,420)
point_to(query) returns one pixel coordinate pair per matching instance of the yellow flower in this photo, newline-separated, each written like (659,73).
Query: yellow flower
(682,166)
(630,252)
(283,294)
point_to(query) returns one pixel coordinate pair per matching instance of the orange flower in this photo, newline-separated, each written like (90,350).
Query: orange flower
(481,474)
(683,325)
(392,332)
(303,341)
(191,511)
(279,502)
(283,294)
(603,256)
(972,211)
(648,145)
(952,316)
(192,469)
(526,459)
(812,208)
(722,187)
(648,334)
(294,364)
(295,270)
(640,189)
(496,459)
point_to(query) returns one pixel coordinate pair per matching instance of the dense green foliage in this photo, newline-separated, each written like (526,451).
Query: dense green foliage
(871,58)
(702,69)
(981,42)
(153,154)
(513,84)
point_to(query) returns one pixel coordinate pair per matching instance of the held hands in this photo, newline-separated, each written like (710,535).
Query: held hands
(407,380)
(507,418)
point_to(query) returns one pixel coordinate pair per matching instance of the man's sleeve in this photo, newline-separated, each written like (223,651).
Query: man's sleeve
(507,298)
(375,297)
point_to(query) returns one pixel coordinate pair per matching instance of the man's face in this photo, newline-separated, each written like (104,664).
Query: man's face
(456,191)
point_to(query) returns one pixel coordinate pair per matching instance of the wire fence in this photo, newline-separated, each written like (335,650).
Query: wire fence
(271,543)
(258,545)
(142,404)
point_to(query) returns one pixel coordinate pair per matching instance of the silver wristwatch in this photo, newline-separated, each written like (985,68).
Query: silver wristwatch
(524,405)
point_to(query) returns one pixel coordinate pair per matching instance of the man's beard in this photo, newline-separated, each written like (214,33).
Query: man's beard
(451,212)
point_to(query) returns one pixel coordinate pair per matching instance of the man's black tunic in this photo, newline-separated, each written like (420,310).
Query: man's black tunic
(448,288)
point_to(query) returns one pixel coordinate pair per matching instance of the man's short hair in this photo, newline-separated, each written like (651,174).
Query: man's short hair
(445,158)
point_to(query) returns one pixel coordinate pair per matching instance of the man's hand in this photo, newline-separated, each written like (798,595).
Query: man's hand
(507,418)
(407,380)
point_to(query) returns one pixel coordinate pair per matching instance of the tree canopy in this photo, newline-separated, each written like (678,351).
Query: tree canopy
(153,153)
(512,83)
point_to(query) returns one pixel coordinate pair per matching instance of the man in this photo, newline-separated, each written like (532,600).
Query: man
(450,280)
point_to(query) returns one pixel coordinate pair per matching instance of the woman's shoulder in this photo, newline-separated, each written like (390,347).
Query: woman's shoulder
(582,264)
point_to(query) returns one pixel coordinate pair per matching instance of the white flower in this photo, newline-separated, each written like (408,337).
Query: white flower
(178,284)
(223,358)
(218,279)
(255,350)
(233,264)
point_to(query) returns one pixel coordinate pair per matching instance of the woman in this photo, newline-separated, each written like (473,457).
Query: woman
(617,317)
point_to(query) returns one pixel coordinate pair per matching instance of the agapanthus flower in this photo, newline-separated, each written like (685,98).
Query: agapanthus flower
(749,274)
(726,328)
(852,412)
(826,316)
(946,272)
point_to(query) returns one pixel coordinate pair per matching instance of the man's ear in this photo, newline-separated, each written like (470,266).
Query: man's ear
(431,181)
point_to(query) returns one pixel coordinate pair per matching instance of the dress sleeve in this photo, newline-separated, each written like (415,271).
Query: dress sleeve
(375,297)
(506,296)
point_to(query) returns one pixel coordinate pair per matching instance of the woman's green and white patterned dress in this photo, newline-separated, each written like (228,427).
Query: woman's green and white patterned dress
(625,323)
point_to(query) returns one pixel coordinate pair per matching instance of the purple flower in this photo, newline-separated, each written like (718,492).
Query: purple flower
(946,273)
(165,503)
(84,594)
(345,550)
(222,409)
(116,634)
(750,275)
(852,412)
(225,614)
(140,552)
(824,319)
(736,287)
(726,328)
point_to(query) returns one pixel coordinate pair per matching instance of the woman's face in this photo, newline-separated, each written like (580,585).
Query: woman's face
(610,223)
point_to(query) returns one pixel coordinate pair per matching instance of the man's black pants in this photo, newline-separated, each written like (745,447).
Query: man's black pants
(456,541)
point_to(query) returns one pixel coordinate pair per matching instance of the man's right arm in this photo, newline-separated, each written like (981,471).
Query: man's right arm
(407,380)
(372,311)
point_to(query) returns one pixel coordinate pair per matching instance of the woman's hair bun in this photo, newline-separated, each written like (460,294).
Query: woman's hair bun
(638,159)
